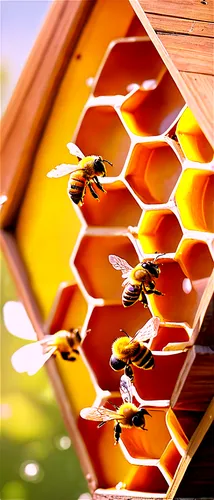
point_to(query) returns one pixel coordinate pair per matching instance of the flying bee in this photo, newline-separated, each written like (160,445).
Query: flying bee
(84,174)
(126,416)
(127,351)
(139,280)
(31,357)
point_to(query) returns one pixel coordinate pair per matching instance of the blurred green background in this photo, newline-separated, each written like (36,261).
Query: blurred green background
(37,458)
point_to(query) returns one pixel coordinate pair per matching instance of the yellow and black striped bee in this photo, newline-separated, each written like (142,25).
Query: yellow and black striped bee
(127,351)
(31,357)
(139,280)
(126,416)
(84,174)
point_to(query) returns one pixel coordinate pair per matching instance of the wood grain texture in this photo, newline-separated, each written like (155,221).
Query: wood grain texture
(198,388)
(189,9)
(197,98)
(190,53)
(171,24)
(201,90)
(194,443)
(198,479)
(30,104)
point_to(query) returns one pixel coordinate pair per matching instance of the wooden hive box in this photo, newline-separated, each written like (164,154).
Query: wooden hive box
(159,198)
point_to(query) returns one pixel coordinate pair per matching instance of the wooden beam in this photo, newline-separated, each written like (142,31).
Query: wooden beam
(35,92)
(198,99)
(170,24)
(188,9)
(194,443)
(190,53)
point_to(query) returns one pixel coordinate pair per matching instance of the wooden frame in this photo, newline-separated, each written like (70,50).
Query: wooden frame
(36,91)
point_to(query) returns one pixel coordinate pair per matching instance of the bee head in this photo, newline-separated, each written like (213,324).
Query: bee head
(153,269)
(138,420)
(99,166)
(116,364)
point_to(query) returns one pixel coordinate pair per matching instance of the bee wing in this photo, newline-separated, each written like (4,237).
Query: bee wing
(126,389)
(149,330)
(120,265)
(99,414)
(30,358)
(61,170)
(17,321)
(125,282)
(75,151)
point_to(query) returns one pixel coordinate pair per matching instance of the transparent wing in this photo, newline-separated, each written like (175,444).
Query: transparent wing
(126,389)
(99,414)
(125,282)
(75,151)
(61,170)
(30,358)
(17,321)
(149,330)
(120,265)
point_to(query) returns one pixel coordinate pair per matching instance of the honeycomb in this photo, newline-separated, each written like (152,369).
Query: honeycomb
(160,195)
(159,199)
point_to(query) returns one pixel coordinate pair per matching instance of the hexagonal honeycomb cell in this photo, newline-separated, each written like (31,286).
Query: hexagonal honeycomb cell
(152,113)
(153,172)
(195,258)
(132,56)
(195,199)
(105,215)
(102,133)
(192,140)
(92,265)
(159,231)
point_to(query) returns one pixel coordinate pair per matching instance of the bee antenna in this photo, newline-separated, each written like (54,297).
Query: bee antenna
(121,330)
(107,161)
(159,255)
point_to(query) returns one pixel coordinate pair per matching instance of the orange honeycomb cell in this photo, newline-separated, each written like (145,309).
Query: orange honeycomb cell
(106,213)
(195,258)
(159,231)
(97,274)
(152,113)
(153,172)
(102,133)
(175,305)
(195,199)
(192,140)
(127,54)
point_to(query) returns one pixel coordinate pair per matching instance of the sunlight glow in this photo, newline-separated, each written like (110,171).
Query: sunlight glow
(63,443)
(31,471)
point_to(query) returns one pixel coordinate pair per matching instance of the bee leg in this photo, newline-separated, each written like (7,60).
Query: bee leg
(76,351)
(157,292)
(117,432)
(98,184)
(94,194)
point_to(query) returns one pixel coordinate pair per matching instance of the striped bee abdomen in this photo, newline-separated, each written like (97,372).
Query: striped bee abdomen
(131,294)
(76,187)
(144,358)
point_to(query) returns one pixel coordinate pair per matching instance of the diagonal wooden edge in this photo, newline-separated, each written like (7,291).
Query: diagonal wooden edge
(16,266)
(189,92)
(30,105)
(194,443)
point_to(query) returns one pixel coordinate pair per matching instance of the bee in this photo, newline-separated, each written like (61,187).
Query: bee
(139,280)
(127,351)
(127,415)
(82,175)
(31,357)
